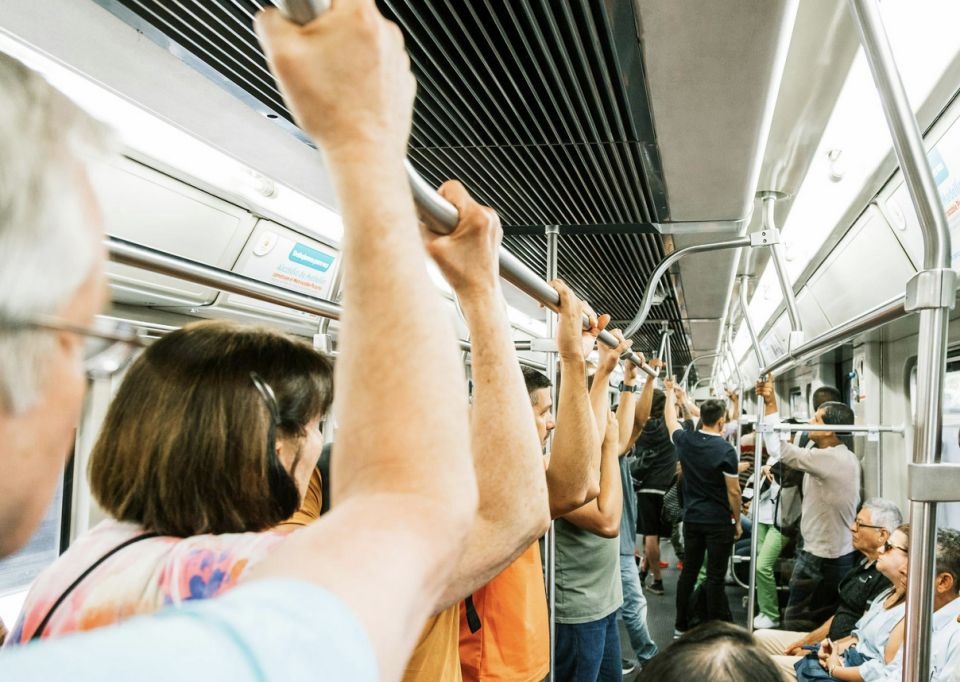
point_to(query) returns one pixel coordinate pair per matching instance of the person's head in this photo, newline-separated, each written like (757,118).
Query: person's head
(215,429)
(715,651)
(830,413)
(538,388)
(657,404)
(825,394)
(713,414)
(895,555)
(947,581)
(51,266)
(875,523)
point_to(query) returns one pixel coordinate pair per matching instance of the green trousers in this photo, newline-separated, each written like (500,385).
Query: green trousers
(769,545)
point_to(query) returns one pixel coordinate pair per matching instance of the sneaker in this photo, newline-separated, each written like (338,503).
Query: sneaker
(656,587)
(680,565)
(764,622)
(628,666)
(677,634)
(664,564)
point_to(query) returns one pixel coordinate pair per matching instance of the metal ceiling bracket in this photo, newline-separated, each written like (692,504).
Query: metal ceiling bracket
(936,288)
(933,482)
(323,343)
(765,237)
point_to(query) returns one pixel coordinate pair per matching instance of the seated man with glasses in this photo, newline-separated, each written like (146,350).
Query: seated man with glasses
(876,520)
(405,498)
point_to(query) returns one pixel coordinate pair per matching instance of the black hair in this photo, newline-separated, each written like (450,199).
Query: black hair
(658,404)
(534,380)
(711,411)
(836,413)
(826,394)
(715,651)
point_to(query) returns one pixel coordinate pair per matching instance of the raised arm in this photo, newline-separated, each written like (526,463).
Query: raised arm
(670,408)
(644,405)
(689,406)
(627,408)
(602,515)
(404,490)
(574,468)
(514,509)
(599,396)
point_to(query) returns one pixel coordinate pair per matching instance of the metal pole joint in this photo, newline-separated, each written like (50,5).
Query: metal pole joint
(934,288)
(764,237)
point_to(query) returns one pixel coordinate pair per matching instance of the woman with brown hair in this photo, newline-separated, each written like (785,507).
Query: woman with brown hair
(210,442)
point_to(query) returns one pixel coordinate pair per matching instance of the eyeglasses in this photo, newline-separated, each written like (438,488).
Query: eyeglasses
(109,345)
(858,525)
(887,546)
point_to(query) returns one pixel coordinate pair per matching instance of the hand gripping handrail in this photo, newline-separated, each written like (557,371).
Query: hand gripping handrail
(445,216)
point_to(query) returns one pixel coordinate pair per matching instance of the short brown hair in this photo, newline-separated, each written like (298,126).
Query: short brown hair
(184,446)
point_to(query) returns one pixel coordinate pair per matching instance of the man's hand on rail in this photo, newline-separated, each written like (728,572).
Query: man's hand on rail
(573,341)
(468,256)
(609,357)
(766,391)
(345,76)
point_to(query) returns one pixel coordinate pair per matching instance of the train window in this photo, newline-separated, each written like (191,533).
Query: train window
(948,515)
(19,570)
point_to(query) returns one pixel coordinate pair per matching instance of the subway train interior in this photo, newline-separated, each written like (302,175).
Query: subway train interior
(749,188)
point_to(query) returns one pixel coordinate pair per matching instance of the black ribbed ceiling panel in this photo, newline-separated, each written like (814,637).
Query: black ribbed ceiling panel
(538,106)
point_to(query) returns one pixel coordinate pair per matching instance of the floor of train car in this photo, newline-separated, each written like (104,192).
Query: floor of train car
(661,609)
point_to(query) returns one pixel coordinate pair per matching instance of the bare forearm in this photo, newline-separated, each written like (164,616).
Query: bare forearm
(818,635)
(600,402)
(573,474)
(625,418)
(733,499)
(602,515)
(388,294)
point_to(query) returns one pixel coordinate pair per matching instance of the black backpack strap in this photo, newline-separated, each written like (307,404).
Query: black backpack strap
(90,569)
(473,618)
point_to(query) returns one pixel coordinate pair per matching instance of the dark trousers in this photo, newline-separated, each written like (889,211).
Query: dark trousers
(814,589)
(589,652)
(717,542)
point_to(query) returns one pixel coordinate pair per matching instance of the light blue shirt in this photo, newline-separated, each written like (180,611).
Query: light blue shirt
(873,631)
(266,630)
(944,649)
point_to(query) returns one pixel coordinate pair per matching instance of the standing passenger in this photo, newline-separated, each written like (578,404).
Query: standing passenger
(657,469)
(504,630)
(711,518)
(831,495)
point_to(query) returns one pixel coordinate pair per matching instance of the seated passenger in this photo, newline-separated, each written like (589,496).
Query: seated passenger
(945,639)
(711,517)
(831,495)
(714,651)
(504,630)
(588,589)
(875,522)
(315,605)
(862,656)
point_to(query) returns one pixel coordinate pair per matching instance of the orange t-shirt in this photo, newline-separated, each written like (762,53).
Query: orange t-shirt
(436,657)
(513,642)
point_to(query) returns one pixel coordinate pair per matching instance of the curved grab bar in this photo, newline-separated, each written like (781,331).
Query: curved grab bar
(662,268)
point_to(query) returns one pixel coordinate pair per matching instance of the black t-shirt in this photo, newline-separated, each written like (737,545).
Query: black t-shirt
(706,461)
(857,590)
(656,456)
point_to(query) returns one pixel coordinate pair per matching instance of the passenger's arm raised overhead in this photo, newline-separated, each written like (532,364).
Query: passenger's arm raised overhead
(574,467)
(627,408)
(670,408)
(507,455)
(602,515)
(599,389)
(644,405)
(404,491)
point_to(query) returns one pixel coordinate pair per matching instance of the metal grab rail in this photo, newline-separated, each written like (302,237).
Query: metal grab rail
(768,201)
(851,428)
(445,215)
(661,270)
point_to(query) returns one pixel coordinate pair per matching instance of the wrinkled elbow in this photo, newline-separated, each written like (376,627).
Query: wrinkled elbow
(609,530)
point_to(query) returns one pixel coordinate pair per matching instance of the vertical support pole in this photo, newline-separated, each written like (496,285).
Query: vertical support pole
(550,542)
(934,316)
(757,452)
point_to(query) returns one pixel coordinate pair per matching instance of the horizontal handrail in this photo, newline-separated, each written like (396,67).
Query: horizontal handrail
(847,428)
(888,311)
